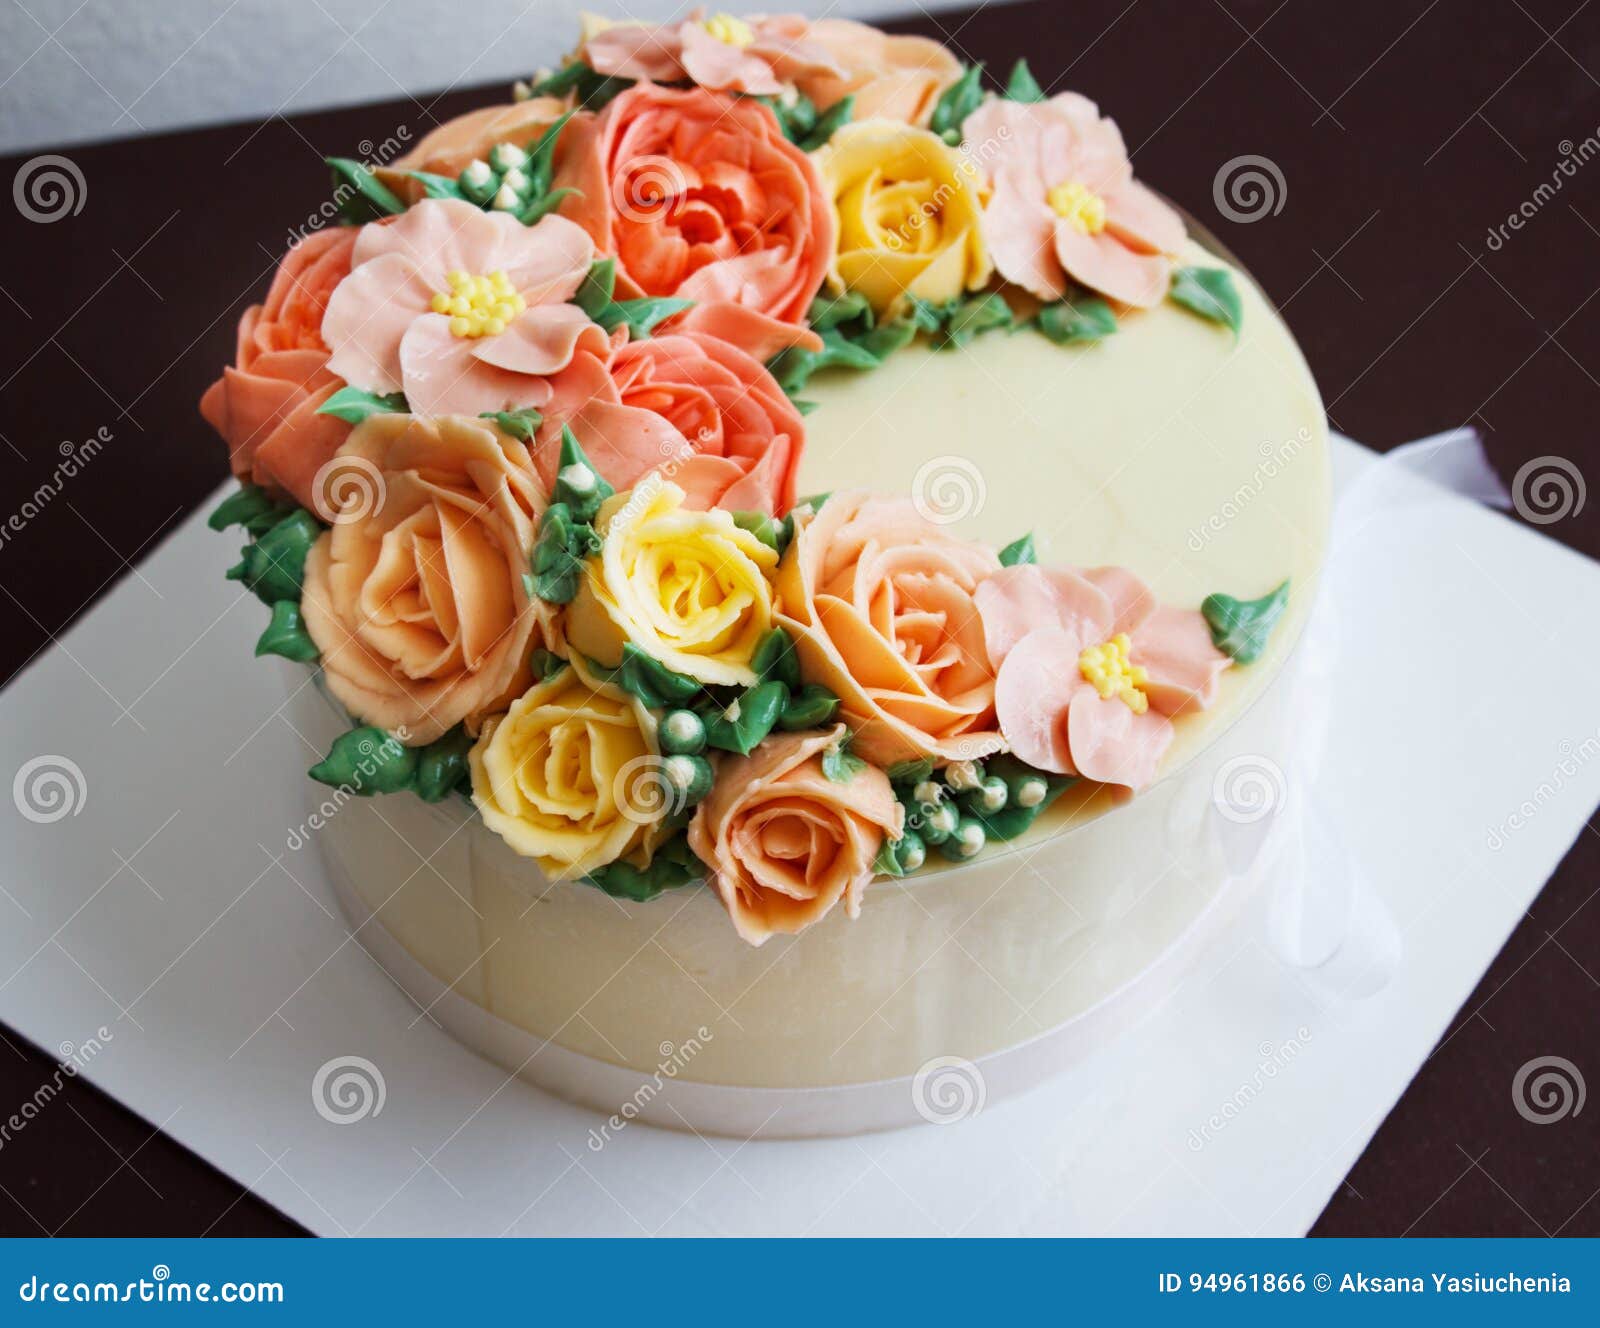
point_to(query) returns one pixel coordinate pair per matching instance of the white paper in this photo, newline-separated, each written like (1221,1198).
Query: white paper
(169,909)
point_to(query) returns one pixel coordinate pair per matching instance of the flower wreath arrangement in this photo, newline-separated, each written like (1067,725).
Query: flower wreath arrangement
(517,445)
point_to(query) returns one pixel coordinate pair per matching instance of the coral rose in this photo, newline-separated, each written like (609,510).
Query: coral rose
(700,197)
(908,208)
(784,842)
(879,602)
(688,588)
(464,311)
(1065,204)
(449,148)
(892,78)
(417,597)
(265,406)
(1091,669)
(569,775)
(709,413)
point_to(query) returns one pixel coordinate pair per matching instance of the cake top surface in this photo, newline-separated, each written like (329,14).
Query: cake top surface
(762,454)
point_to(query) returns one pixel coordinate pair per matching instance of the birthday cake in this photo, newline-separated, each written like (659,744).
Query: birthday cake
(778,546)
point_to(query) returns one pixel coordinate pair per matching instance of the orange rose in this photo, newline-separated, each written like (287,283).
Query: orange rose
(701,197)
(893,78)
(452,146)
(784,842)
(710,416)
(265,406)
(880,603)
(417,597)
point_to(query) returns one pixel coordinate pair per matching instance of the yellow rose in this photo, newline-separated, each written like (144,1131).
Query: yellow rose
(690,589)
(570,775)
(907,205)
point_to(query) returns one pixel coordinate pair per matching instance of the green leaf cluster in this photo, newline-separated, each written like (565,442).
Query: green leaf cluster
(368,760)
(352,405)
(959,101)
(672,866)
(1209,292)
(1240,628)
(272,566)
(594,297)
(593,90)
(805,126)
(1076,319)
(567,537)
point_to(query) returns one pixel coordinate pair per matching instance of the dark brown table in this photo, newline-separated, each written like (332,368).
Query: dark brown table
(1406,133)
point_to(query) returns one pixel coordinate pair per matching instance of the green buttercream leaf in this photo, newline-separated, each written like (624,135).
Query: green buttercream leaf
(542,205)
(775,658)
(804,407)
(366,761)
(352,405)
(673,865)
(594,297)
(882,341)
(774,534)
(1078,319)
(286,634)
(980,313)
(559,552)
(274,566)
(959,101)
(359,195)
(545,664)
(1019,551)
(840,764)
(1209,292)
(438,186)
(911,772)
(828,124)
(642,675)
(1022,85)
(583,500)
(1240,627)
(796,118)
(520,424)
(541,157)
(594,292)
(251,507)
(830,310)
(593,90)
(793,367)
(753,716)
(815,500)
(812,707)
(442,766)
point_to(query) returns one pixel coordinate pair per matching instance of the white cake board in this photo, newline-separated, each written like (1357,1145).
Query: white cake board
(169,910)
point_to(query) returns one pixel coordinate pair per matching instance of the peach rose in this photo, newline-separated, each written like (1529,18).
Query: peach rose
(892,78)
(711,414)
(784,842)
(452,146)
(700,197)
(417,596)
(265,405)
(879,601)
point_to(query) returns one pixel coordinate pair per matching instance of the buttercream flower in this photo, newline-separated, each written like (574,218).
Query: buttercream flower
(464,311)
(891,77)
(416,596)
(756,56)
(784,842)
(265,405)
(1065,204)
(700,197)
(879,601)
(706,411)
(449,148)
(558,775)
(908,208)
(688,588)
(1091,668)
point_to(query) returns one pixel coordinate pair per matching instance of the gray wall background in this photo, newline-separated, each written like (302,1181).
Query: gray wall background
(79,70)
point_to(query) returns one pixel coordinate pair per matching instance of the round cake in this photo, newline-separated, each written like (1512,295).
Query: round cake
(803,545)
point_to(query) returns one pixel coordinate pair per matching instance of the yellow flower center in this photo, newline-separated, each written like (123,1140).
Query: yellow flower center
(478,306)
(1108,669)
(1079,206)
(727,28)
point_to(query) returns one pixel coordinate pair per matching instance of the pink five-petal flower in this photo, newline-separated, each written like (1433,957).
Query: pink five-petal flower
(1064,204)
(385,337)
(756,56)
(1037,622)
